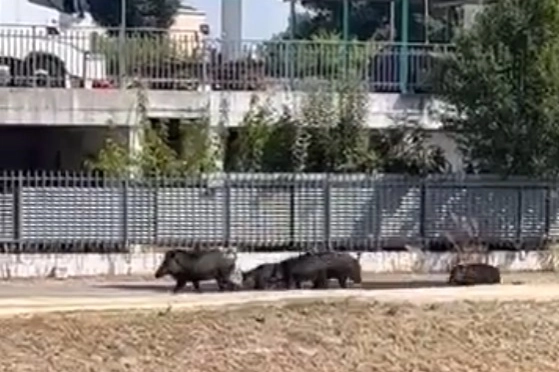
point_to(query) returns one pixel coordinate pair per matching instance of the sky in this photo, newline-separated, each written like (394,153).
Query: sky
(261,18)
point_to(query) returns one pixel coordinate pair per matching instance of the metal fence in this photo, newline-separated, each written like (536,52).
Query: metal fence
(75,212)
(31,56)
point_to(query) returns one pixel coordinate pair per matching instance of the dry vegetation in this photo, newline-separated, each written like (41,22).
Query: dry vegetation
(345,336)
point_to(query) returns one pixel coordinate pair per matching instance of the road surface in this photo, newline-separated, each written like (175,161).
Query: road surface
(17,297)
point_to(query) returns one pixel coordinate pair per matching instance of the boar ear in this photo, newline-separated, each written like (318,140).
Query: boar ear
(170,254)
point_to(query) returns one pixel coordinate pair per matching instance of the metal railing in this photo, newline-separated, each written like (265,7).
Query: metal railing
(77,212)
(185,61)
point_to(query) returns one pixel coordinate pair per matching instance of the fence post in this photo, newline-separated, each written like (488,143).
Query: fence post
(423,212)
(547,208)
(326,210)
(292,207)
(155,190)
(378,187)
(125,186)
(519,217)
(227,210)
(18,221)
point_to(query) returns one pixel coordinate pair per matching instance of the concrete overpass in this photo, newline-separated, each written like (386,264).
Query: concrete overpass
(58,128)
(97,107)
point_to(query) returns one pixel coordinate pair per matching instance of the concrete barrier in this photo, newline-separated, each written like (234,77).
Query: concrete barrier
(89,264)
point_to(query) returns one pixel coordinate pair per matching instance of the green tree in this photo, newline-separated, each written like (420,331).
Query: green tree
(404,148)
(502,85)
(370,20)
(286,148)
(196,150)
(158,14)
(365,18)
(253,135)
(339,139)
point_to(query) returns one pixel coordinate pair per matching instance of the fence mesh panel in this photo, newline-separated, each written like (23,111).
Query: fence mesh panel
(271,211)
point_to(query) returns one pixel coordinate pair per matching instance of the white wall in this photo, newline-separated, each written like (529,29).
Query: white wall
(71,265)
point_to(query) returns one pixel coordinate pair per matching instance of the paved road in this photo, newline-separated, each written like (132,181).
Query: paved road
(163,300)
(106,294)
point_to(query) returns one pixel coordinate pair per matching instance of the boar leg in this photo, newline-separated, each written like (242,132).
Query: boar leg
(196,285)
(181,282)
(321,280)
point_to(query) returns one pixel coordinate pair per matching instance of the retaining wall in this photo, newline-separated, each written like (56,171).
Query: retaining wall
(72,265)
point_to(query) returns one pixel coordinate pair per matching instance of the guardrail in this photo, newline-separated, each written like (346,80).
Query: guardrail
(77,212)
(185,61)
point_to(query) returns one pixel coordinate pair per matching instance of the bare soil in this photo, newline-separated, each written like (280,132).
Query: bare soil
(349,335)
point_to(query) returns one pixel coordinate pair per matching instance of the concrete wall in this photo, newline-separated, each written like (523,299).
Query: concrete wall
(85,107)
(23,106)
(71,265)
(383,108)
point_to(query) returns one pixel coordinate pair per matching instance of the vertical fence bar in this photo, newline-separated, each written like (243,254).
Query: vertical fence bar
(125,237)
(227,210)
(17,210)
(154,186)
(519,214)
(292,212)
(423,213)
(547,208)
(326,201)
(376,211)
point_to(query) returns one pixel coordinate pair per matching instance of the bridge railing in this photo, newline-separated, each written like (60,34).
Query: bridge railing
(84,212)
(176,60)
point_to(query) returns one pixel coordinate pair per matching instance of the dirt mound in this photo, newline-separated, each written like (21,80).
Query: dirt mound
(349,335)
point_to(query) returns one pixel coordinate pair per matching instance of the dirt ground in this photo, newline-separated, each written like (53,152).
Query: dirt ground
(339,336)
(334,335)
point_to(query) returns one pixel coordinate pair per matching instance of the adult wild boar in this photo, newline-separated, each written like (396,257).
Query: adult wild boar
(307,267)
(342,266)
(474,273)
(196,266)
(262,277)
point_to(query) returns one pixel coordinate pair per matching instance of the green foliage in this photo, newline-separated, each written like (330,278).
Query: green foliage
(370,20)
(405,148)
(319,115)
(197,151)
(365,18)
(503,83)
(285,150)
(352,148)
(329,134)
(192,153)
(339,139)
(253,136)
(112,160)
(139,13)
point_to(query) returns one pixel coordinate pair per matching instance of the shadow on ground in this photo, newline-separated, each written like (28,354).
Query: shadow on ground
(211,287)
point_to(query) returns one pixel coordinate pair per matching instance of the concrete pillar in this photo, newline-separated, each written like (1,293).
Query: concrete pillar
(217,148)
(231,29)
(134,134)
